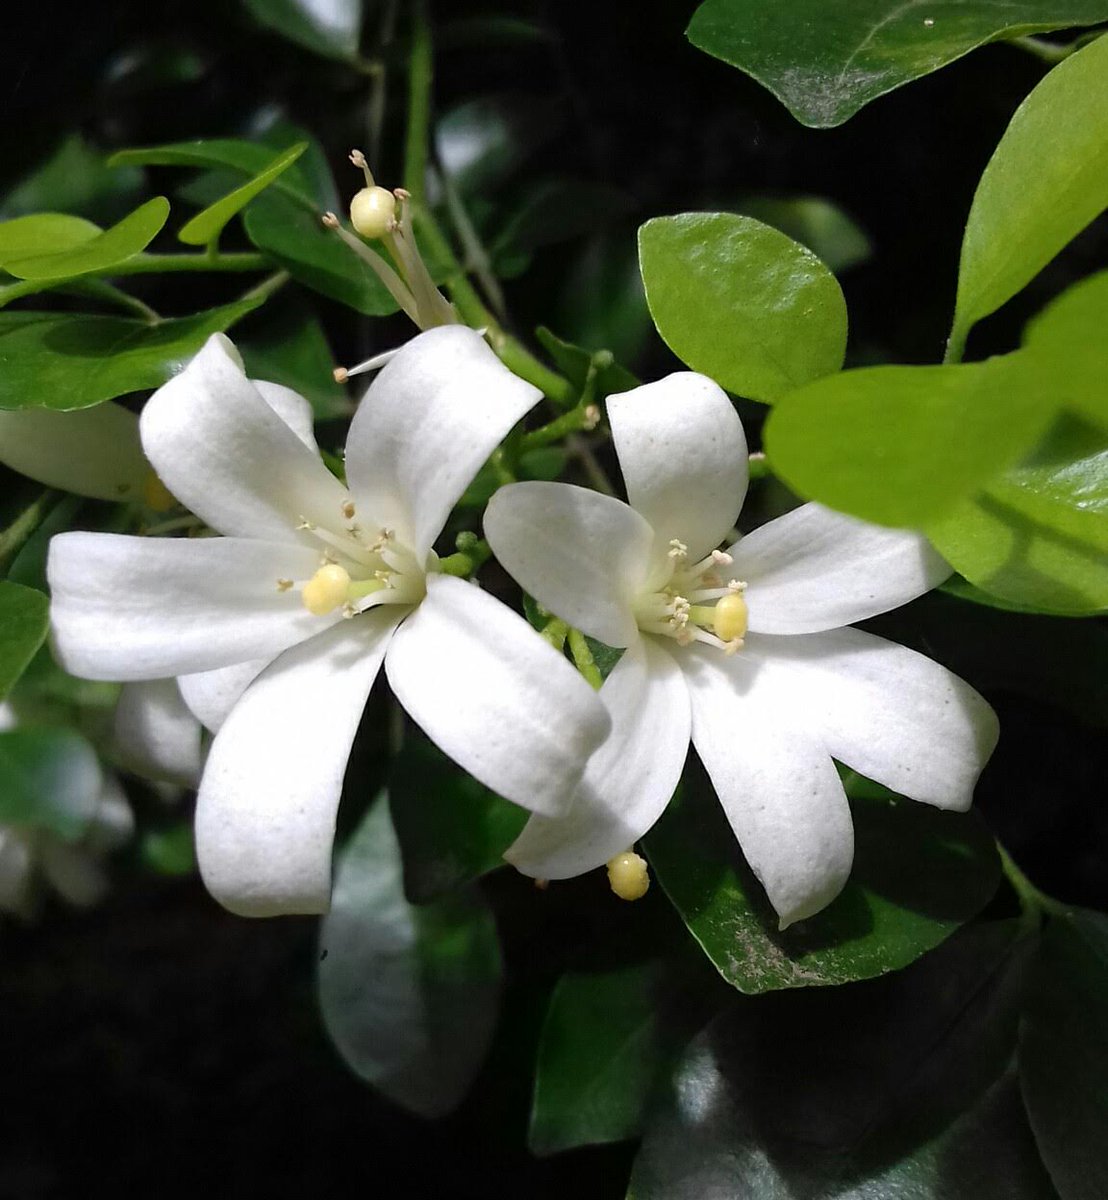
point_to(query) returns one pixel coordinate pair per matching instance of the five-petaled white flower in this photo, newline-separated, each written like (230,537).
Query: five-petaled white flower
(745,651)
(277,630)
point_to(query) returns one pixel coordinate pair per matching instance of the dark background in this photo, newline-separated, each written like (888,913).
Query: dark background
(158,1045)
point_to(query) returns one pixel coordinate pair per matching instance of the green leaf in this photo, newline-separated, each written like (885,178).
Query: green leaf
(826,61)
(741,302)
(313,255)
(332,29)
(575,362)
(1046,181)
(206,226)
(918,874)
(98,254)
(483,142)
(75,179)
(451,828)
(610,1036)
(901,445)
(865,1093)
(1067,340)
(24,621)
(1063,1056)
(64,361)
(293,351)
(409,995)
(43,233)
(813,222)
(169,850)
(49,779)
(1038,535)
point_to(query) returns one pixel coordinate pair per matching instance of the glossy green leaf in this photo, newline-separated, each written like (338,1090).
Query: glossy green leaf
(1063,1057)
(451,828)
(900,445)
(100,253)
(825,61)
(206,226)
(862,1093)
(813,222)
(75,179)
(43,233)
(610,1037)
(332,29)
(1067,339)
(409,995)
(1038,535)
(49,779)
(65,361)
(313,255)
(1046,181)
(24,621)
(918,874)
(741,302)
(293,350)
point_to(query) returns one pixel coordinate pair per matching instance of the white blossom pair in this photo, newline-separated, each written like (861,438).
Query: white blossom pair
(276,631)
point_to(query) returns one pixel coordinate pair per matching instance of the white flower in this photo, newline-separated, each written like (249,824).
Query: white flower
(769,685)
(156,735)
(254,623)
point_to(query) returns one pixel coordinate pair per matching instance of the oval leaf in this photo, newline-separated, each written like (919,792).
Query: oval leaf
(826,61)
(741,302)
(43,233)
(24,620)
(409,995)
(1046,181)
(108,249)
(206,226)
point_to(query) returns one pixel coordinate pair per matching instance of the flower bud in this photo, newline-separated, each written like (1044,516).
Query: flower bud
(373,212)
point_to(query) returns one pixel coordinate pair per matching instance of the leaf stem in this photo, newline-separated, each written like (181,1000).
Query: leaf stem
(152,264)
(421,67)
(1033,902)
(14,537)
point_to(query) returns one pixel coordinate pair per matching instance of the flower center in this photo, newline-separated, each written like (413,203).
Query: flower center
(358,570)
(695,605)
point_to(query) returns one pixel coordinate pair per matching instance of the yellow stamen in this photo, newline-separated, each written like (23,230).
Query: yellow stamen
(628,876)
(156,495)
(326,590)
(731,617)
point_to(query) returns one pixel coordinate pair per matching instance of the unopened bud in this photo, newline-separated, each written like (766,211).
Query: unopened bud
(373,212)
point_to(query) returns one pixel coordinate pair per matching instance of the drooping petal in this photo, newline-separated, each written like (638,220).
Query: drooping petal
(582,555)
(682,452)
(888,712)
(90,451)
(265,814)
(292,408)
(628,781)
(155,733)
(495,696)
(149,608)
(113,823)
(425,427)
(227,455)
(776,782)
(815,569)
(210,695)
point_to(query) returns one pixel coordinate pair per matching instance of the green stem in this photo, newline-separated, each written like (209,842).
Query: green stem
(571,422)
(1033,902)
(421,67)
(758,466)
(555,632)
(152,264)
(955,346)
(582,656)
(14,537)
(1050,53)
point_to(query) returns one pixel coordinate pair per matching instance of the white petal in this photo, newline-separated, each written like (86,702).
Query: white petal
(155,734)
(265,815)
(149,608)
(682,451)
(628,782)
(227,455)
(888,712)
(292,408)
(495,696)
(113,823)
(815,569)
(210,695)
(776,782)
(425,427)
(582,555)
(90,451)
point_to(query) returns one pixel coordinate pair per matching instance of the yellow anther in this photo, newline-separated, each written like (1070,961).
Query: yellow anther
(156,495)
(731,617)
(628,876)
(283,585)
(373,212)
(348,509)
(326,590)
